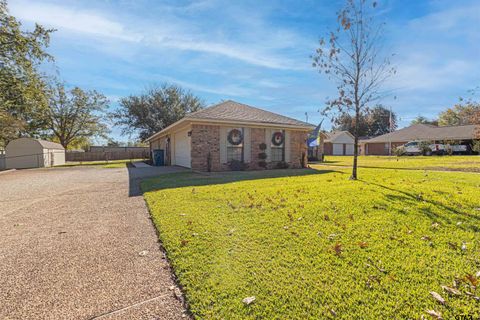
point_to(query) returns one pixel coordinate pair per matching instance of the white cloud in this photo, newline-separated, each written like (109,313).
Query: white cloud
(169,32)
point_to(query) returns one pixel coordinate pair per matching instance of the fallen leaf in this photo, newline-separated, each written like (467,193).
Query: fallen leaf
(450,290)
(473,280)
(143,253)
(362,244)
(435,314)
(338,249)
(437,297)
(464,246)
(333,312)
(248,300)
(472,295)
(426,238)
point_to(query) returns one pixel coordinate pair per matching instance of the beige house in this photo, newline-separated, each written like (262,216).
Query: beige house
(225,135)
(25,153)
(338,143)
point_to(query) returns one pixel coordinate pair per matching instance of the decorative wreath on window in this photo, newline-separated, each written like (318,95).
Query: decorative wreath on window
(235,137)
(278,138)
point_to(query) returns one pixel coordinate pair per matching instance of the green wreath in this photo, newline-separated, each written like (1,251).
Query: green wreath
(235,137)
(278,138)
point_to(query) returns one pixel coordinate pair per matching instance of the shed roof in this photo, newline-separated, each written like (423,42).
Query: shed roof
(49,144)
(427,132)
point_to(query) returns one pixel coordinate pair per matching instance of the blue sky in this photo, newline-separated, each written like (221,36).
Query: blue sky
(255,52)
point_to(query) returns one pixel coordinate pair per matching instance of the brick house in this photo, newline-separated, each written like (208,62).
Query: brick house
(418,132)
(230,132)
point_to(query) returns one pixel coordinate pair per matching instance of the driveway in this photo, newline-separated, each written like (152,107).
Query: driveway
(78,243)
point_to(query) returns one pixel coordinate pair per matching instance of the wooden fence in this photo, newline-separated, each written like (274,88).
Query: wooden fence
(105,156)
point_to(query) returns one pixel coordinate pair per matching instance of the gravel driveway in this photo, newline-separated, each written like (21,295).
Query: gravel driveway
(77,243)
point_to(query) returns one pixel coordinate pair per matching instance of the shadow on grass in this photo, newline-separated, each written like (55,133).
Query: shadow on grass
(468,169)
(410,198)
(192,179)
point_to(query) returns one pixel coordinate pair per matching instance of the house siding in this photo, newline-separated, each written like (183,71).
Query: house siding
(206,139)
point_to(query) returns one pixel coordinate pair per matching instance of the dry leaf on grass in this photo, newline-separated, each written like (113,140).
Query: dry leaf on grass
(248,300)
(435,314)
(450,290)
(437,297)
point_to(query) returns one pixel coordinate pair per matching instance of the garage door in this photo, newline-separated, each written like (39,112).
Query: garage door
(337,149)
(349,150)
(182,149)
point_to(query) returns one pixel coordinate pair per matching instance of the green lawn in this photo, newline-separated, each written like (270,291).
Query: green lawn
(454,163)
(103,163)
(310,244)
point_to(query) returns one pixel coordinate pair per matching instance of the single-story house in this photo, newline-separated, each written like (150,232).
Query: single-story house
(33,153)
(386,144)
(230,134)
(338,143)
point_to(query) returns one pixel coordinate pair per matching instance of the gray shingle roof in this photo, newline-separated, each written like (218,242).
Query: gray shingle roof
(49,144)
(331,136)
(427,132)
(233,111)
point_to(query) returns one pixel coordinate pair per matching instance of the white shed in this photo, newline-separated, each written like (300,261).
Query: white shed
(339,143)
(33,153)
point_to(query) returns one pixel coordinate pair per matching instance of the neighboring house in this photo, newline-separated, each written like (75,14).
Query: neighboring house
(419,132)
(33,153)
(338,143)
(230,132)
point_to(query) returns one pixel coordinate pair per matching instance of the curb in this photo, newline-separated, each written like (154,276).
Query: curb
(7,171)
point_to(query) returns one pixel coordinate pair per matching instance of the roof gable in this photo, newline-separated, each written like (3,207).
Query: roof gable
(337,135)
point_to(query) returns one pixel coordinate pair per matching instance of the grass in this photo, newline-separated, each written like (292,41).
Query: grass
(310,244)
(451,163)
(103,163)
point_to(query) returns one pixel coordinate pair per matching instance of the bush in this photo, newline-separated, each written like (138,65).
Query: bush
(282,165)
(476,146)
(237,165)
(399,151)
(262,156)
(262,146)
(425,148)
(262,164)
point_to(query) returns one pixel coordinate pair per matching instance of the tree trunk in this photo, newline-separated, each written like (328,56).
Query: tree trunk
(355,145)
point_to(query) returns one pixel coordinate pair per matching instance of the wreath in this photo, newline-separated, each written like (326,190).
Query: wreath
(235,137)
(278,138)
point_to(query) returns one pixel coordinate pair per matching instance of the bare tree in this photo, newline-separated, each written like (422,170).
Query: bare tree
(352,57)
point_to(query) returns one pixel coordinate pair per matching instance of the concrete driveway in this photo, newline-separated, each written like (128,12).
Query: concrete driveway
(78,243)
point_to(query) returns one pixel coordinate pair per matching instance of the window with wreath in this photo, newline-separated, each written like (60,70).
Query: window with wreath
(235,144)
(277,149)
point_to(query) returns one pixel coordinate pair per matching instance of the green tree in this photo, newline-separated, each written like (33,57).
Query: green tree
(76,115)
(155,109)
(352,58)
(374,122)
(23,99)
(464,112)
(424,120)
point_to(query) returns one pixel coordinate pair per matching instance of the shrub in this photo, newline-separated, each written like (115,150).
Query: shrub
(237,165)
(262,164)
(425,148)
(262,156)
(262,146)
(399,151)
(476,146)
(282,165)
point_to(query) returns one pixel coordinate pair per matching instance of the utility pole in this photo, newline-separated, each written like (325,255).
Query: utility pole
(306,116)
(390,131)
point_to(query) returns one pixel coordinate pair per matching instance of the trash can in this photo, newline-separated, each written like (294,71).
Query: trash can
(158,157)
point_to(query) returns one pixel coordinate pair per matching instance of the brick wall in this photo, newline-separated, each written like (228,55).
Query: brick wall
(205,139)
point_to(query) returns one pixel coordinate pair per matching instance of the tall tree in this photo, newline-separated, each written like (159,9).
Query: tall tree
(23,99)
(424,120)
(352,58)
(462,113)
(376,121)
(76,115)
(155,109)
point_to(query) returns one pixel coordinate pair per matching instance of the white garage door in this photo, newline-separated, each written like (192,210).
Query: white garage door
(182,149)
(338,149)
(349,150)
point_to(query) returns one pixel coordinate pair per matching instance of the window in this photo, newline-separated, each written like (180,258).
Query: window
(235,144)
(277,152)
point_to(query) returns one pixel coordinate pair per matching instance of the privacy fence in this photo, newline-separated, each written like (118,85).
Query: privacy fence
(106,156)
